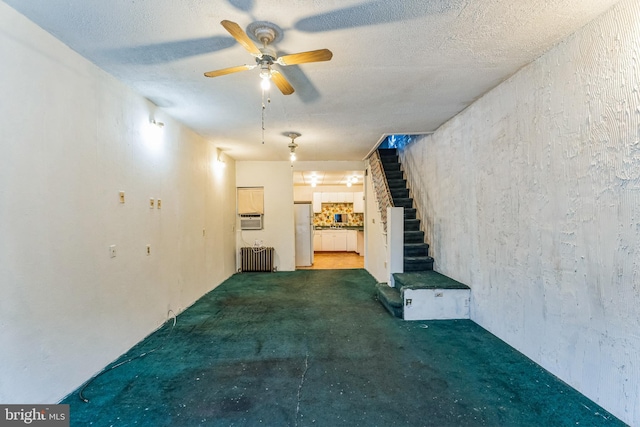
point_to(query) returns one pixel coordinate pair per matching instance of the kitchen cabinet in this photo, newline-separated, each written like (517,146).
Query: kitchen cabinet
(317,202)
(328,197)
(334,240)
(351,240)
(334,197)
(360,243)
(358,202)
(317,240)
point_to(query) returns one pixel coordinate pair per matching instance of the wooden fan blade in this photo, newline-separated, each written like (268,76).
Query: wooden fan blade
(282,83)
(304,57)
(241,37)
(229,70)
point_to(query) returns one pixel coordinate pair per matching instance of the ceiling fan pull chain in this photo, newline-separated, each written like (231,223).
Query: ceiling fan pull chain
(263,108)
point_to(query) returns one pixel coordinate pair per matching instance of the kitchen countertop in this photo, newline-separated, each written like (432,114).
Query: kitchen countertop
(345,227)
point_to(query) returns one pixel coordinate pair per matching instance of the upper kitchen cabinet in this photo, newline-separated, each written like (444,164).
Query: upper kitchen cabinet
(317,202)
(358,202)
(336,197)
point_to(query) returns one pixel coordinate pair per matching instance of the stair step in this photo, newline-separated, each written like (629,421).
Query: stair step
(409,213)
(416,249)
(411,224)
(399,193)
(426,280)
(396,183)
(396,174)
(382,151)
(422,263)
(414,237)
(405,202)
(391,167)
(391,299)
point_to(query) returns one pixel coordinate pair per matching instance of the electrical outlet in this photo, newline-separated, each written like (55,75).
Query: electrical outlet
(148,249)
(439,294)
(112,251)
(122,197)
(408,302)
(159,203)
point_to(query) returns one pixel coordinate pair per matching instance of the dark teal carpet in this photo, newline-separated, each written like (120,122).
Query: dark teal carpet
(314,348)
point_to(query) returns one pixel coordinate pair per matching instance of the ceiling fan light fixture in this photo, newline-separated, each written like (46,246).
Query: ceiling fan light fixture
(265,83)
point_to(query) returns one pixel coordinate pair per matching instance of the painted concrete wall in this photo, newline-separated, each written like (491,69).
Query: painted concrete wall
(279,226)
(532,197)
(71,138)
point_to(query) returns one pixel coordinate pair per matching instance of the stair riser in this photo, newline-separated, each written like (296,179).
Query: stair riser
(404,203)
(394,175)
(413,237)
(418,266)
(415,252)
(399,193)
(411,225)
(409,213)
(391,167)
(397,183)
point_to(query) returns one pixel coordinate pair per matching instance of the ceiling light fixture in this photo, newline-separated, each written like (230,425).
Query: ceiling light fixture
(292,145)
(265,76)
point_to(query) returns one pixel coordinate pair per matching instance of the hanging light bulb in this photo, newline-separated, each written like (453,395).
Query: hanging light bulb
(292,146)
(265,83)
(265,76)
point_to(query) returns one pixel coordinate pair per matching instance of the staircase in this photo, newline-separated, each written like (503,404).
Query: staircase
(416,251)
(419,293)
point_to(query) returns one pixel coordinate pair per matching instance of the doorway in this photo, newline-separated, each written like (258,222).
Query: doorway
(335,261)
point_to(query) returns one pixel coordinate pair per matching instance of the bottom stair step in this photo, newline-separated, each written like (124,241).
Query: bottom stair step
(390,298)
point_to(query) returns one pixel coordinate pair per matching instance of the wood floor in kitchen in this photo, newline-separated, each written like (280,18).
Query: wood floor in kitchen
(335,260)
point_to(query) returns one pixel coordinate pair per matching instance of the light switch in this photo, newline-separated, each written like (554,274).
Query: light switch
(159,204)
(122,197)
(112,251)
(151,203)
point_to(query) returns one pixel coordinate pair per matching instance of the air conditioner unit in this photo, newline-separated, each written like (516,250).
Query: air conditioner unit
(250,222)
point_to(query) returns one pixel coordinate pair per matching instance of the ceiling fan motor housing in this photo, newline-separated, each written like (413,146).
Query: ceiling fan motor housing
(264,32)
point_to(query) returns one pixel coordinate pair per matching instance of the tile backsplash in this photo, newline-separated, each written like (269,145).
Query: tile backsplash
(325,218)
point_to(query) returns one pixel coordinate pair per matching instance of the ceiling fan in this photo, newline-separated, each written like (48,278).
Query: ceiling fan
(266,56)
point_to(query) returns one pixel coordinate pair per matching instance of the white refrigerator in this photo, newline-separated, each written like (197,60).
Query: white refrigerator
(303,214)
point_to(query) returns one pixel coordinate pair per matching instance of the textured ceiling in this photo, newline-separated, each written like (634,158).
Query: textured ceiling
(399,66)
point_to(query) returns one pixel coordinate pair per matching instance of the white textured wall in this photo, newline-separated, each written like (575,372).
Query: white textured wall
(279,226)
(532,197)
(72,137)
